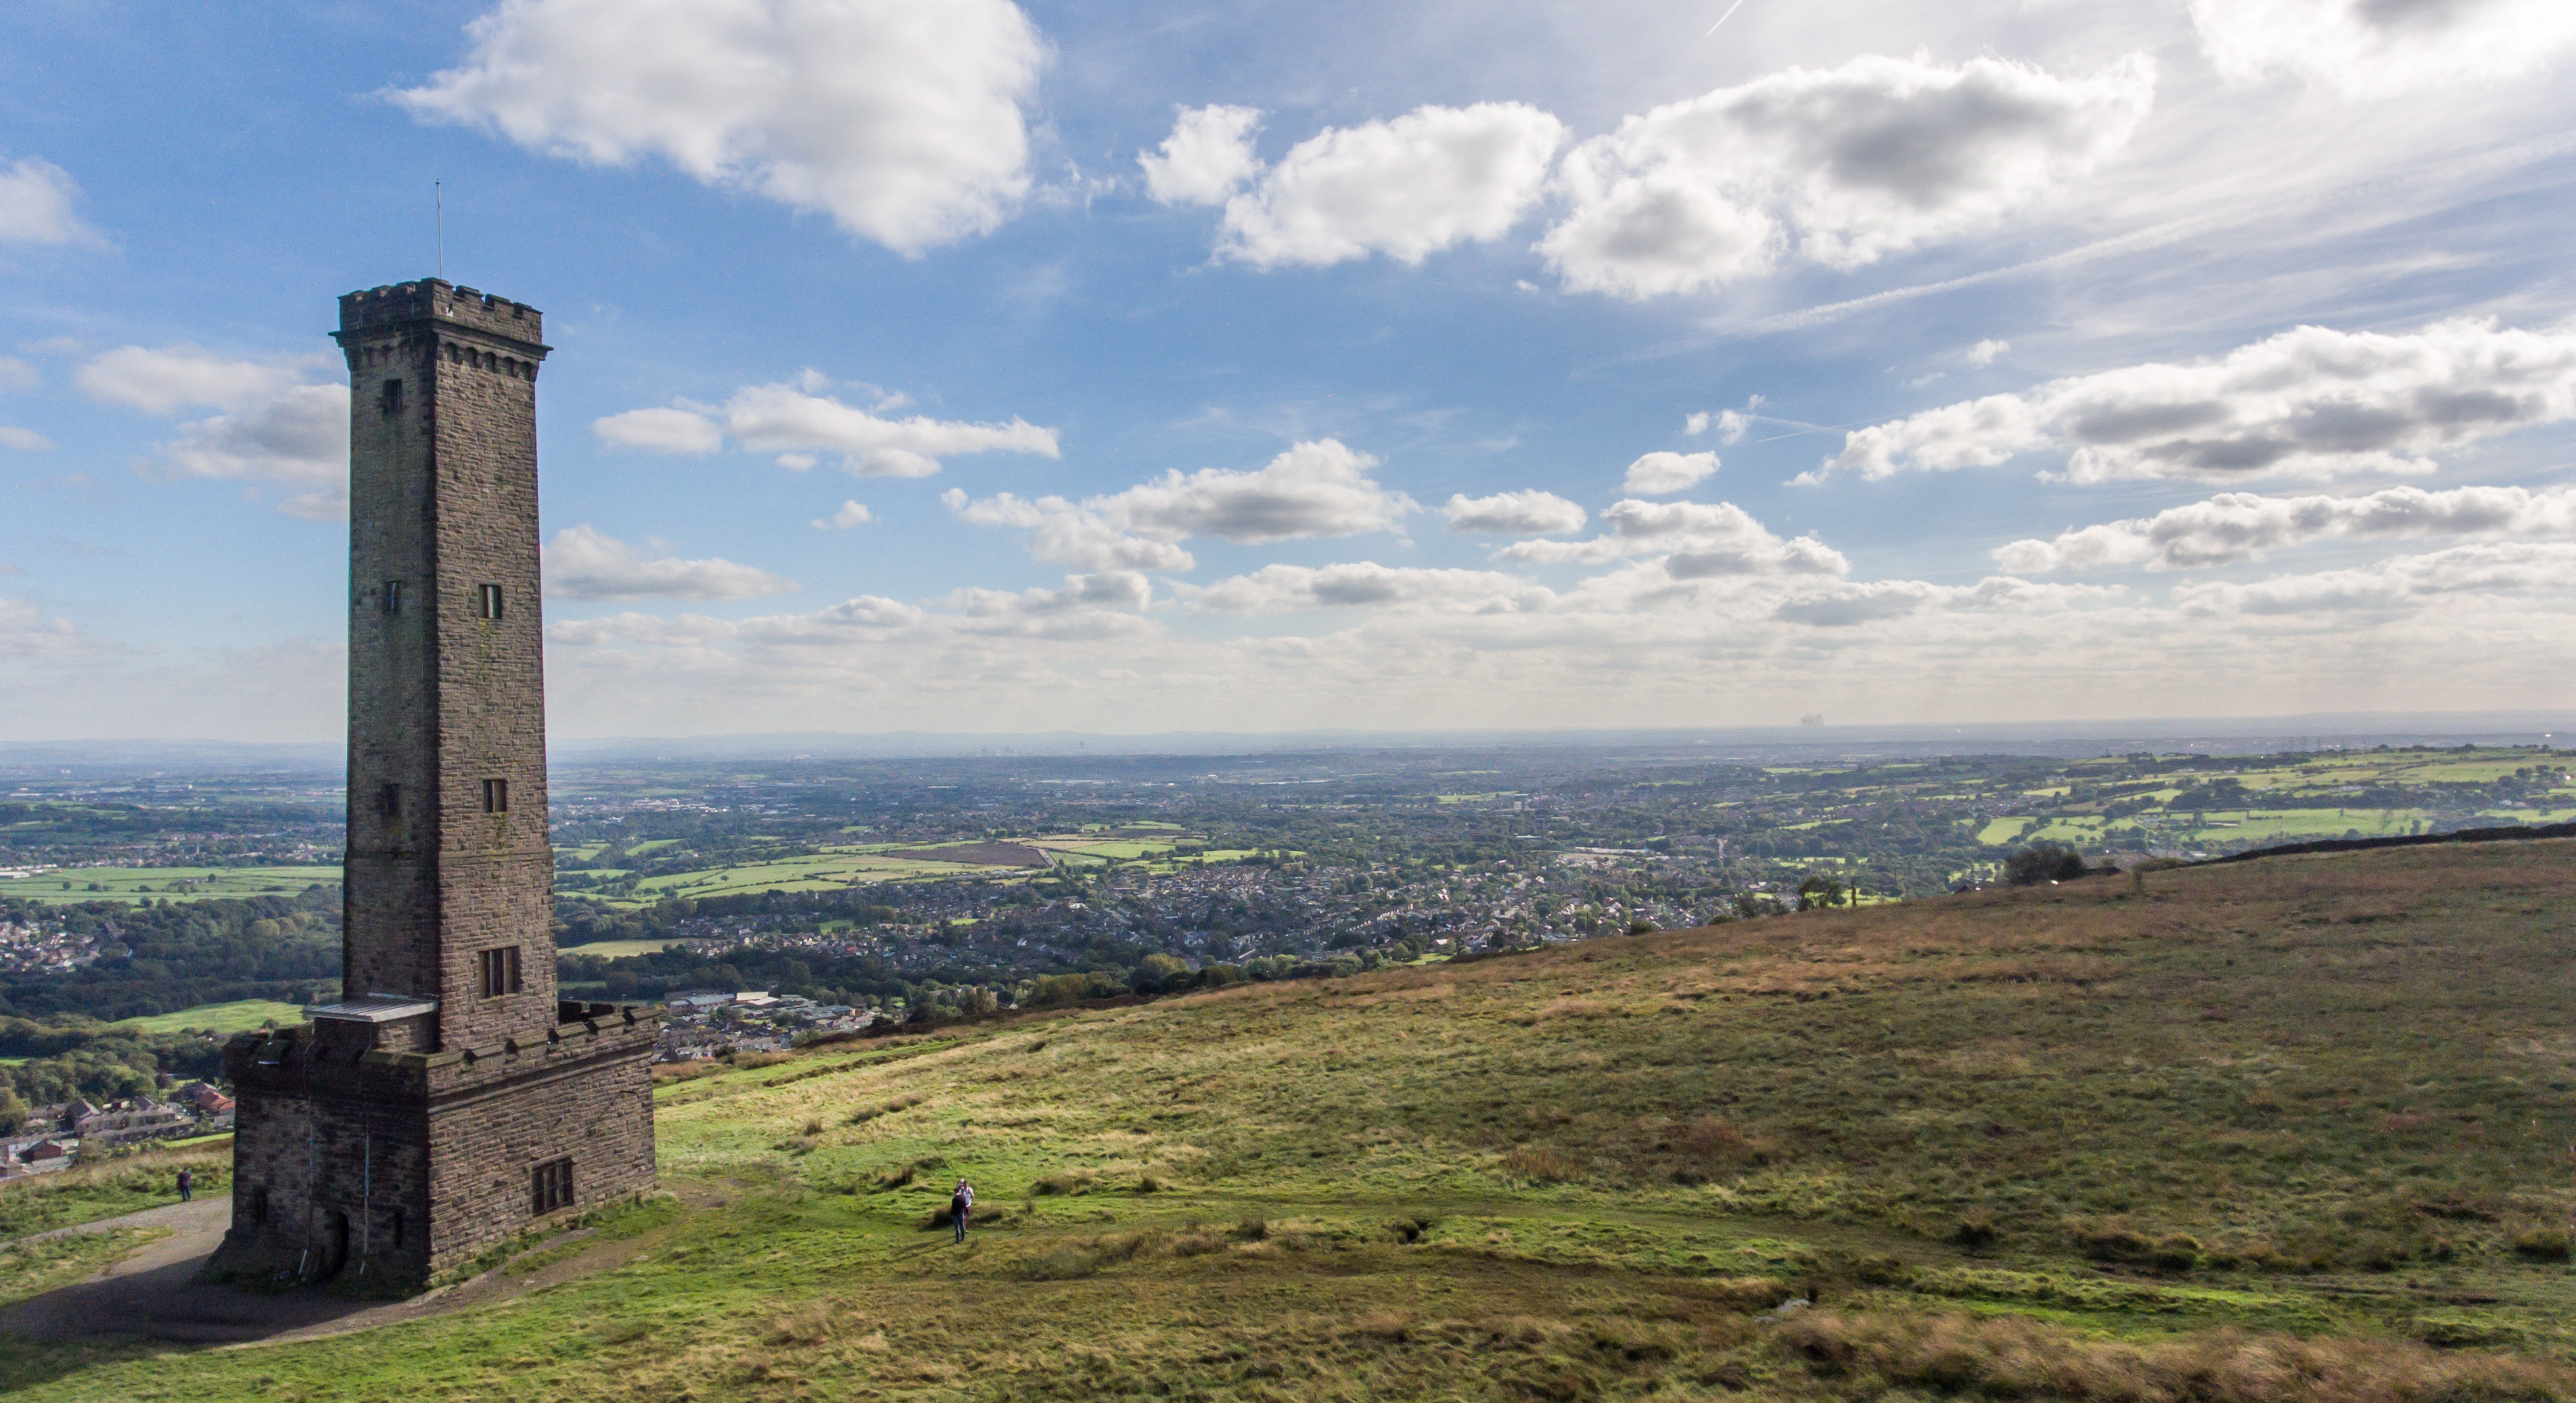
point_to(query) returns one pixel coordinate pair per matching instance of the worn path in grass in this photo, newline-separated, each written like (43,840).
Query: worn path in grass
(152,1292)
(193,1216)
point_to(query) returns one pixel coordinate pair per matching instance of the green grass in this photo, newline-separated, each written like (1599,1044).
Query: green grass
(240,1016)
(832,871)
(130,1183)
(2270,1126)
(1116,849)
(33,1268)
(2268,825)
(135,884)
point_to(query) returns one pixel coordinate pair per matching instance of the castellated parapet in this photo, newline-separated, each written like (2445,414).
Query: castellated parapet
(448,1099)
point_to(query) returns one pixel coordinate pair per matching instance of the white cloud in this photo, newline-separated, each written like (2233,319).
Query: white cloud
(1846,606)
(36,199)
(1662,472)
(1525,513)
(2397,584)
(848,646)
(1283,589)
(167,379)
(331,504)
(1985,352)
(899,118)
(2373,48)
(1407,188)
(1320,488)
(16,374)
(851,514)
(1697,541)
(787,418)
(865,620)
(274,428)
(2310,402)
(24,440)
(1730,424)
(298,437)
(2236,526)
(1839,167)
(1207,156)
(25,632)
(660,431)
(583,562)
(1069,534)
(1089,607)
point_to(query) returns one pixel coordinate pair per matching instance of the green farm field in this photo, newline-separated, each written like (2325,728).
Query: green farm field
(133,884)
(832,870)
(2288,1129)
(845,865)
(240,1016)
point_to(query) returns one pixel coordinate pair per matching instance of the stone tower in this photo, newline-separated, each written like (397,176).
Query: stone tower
(449,1099)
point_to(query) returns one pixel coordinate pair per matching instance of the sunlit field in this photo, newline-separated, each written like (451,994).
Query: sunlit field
(133,884)
(2294,1128)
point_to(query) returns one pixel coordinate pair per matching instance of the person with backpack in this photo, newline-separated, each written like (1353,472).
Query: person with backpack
(961,1204)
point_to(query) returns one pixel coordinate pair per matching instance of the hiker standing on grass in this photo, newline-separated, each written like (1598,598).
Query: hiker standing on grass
(187,1184)
(960,1204)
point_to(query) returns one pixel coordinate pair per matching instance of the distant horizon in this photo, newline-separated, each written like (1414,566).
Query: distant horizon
(1880,740)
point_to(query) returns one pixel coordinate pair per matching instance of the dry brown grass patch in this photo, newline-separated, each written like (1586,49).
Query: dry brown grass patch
(1541,1164)
(1711,1140)
(2009,1357)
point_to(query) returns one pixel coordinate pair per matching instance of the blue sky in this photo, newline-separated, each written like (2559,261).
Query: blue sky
(958,366)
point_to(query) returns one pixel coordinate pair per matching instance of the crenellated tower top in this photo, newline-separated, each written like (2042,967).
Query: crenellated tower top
(434,299)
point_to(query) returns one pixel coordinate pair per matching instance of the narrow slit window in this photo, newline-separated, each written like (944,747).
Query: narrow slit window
(496,796)
(487,601)
(497,972)
(550,1186)
(389,800)
(392,596)
(389,399)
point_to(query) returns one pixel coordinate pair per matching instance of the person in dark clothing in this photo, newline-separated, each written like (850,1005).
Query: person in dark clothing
(187,1185)
(961,1204)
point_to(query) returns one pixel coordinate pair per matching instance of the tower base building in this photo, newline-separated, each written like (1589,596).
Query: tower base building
(449,1100)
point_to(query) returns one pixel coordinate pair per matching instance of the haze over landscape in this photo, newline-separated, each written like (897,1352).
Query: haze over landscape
(1325,366)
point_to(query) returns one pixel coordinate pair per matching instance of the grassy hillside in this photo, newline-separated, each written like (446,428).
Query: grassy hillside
(2298,1128)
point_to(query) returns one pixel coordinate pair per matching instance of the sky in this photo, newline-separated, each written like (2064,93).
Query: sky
(956,365)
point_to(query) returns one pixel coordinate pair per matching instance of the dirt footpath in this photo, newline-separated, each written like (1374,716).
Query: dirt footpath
(153,1292)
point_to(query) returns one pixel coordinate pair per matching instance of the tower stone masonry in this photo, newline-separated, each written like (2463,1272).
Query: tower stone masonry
(449,1099)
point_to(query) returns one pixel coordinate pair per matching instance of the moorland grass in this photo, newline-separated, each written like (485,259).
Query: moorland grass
(2285,1129)
(111,1187)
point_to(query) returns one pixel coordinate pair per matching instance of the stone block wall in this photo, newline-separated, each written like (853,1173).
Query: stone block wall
(443,496)
(384,1169)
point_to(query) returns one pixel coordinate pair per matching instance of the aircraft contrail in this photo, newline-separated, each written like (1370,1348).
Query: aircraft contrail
(1721,19)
